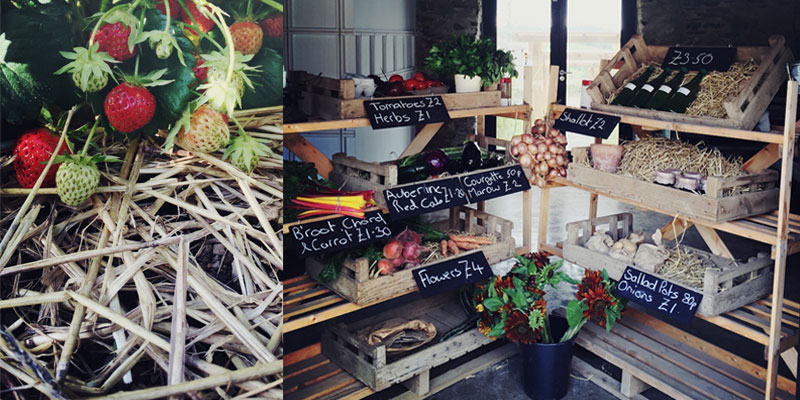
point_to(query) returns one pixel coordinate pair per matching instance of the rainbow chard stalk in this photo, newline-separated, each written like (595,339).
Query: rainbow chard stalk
(78,176)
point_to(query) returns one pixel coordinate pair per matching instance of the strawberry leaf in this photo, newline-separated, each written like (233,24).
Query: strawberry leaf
(267,82)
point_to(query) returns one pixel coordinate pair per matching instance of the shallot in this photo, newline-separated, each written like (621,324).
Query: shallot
(517,139)
(527,138)
(525,160)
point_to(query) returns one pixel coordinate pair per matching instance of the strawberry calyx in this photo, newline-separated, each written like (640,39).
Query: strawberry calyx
(224,85)
(244,151)
(90,67)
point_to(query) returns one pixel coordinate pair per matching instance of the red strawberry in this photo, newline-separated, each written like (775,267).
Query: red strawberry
(129,107)
(204,23)
(247,37)
(272,26)
(200,73)
(113,39)
(32,152)
(174,8)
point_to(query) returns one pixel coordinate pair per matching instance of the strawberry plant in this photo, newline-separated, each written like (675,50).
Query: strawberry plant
(78,177)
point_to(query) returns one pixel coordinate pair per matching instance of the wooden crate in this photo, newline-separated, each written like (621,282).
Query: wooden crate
(334,99)
(713,206)
(726,287)
(353,174)
(373,366)
(354,283)
(744,109)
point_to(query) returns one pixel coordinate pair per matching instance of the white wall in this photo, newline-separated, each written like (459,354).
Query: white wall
(336,37)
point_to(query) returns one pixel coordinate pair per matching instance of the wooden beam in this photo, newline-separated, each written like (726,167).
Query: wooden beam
(714,242)
(773,355)
(764,159)
(527,216)
(306,151)
(544,211)
(421,140)
(632,386)
(671,231)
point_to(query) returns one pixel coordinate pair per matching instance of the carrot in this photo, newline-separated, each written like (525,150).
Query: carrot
(443,247)
(468,246)
(453,247)
(471,239)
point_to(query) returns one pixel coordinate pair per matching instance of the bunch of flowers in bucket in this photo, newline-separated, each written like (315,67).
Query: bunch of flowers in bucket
(513,305)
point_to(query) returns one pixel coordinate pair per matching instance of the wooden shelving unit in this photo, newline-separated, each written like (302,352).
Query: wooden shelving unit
(653,353)
(309,374)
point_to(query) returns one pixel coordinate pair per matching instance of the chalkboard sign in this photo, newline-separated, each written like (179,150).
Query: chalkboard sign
(659,295)
(421,198)
(697,58)
(410,111)
(586,123)
(452,274)
(494,183)
(338,233)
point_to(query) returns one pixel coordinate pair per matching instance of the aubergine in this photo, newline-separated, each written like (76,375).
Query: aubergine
(412,173)
(494,160)
(471,157)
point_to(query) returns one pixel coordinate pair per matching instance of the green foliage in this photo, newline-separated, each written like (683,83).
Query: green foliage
(472,57)
(267,82)
(575,309)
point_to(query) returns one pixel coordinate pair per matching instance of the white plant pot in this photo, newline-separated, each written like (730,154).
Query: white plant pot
(467,85)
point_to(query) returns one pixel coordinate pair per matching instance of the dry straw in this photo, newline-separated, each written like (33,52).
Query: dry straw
(166,277)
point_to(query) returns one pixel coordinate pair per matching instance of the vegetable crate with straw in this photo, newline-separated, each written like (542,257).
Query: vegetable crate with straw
(725,284)
(742,108)
(334,99)
(725,198)
(355,347)
(355,284)
(352,174)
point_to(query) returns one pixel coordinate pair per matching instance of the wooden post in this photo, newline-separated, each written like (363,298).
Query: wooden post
(527,215)
(773,356)
(419,384)
(714,242)
(544,209)
(631,386)
(306,151)
(421,140)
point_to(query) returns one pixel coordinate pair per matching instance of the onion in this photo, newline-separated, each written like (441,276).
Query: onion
(548,141)
(542,148)
(538,122)
(553,173)
(554,132)
(527,138)
(538,156)
(562,171)
(560,159)
(554,148)
(525,160)
(561,139)
(514,151)
(543,168)
(548,156)
(552,163)
(533,149)
(522,148)
(516,140)
(540,129)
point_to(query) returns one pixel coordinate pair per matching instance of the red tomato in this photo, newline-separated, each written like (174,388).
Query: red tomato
(411,84)
(395,78)
(437,84)
(418,76)
(422,85)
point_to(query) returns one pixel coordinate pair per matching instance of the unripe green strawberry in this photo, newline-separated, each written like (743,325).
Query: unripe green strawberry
(162,48)
(76,180)
(207,131)
(93,84)
(89,67)
(245,151)
(246,36)
(219,75)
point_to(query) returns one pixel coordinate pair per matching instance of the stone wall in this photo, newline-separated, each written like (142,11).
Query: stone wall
(719,22)
(438,20)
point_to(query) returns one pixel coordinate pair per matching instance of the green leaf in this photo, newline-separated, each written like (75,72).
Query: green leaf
(492,303)
(24,94)
(604,274)
(518,284)
(575,311)
(267,88)
(566,278)
(498,329)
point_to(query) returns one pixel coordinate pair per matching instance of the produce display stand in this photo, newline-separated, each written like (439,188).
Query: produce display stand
(310,374)
(653,353)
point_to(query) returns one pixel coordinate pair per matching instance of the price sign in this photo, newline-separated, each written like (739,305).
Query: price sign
(421,198)
(338,233)
(586,123)
(697,58)
(494,183)
(659,295)
(452,274)
(405,111)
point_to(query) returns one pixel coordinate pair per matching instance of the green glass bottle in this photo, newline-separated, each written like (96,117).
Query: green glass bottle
(686,94)
(659,101)
(630,89)
(647,91)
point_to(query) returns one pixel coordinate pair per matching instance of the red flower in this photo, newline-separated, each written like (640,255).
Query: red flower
(518,330)
(503,282)
(594,293)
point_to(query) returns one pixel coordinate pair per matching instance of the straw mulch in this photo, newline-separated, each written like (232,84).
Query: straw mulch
(163,284)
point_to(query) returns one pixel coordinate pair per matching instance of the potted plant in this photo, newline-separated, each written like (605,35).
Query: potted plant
(472,61)
(513,306)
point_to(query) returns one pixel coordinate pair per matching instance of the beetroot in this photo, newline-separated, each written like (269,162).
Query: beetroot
(396,262)
(385,267)
(411,251)
(393,249)
(409,236)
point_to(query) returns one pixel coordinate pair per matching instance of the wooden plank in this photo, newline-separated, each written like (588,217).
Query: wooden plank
(527,217)
(631,386)
(419,384)
(311,376)
(304,150)
(304,295)
(708,130)
(321,389)
(714,242)
(773,359)
(544,211)
(303,366)
(300,355)
(675,228)
(601,379)
(421,140)
(516,111)
(762,160)
(312,305)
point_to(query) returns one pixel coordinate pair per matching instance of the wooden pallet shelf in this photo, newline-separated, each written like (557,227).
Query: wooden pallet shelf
(677,363)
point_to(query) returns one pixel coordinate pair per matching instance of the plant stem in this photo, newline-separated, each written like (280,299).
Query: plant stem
(546,331)
(226,32)
(241,128)
(166,8)
(573,331)
(274,4)
(89,139)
